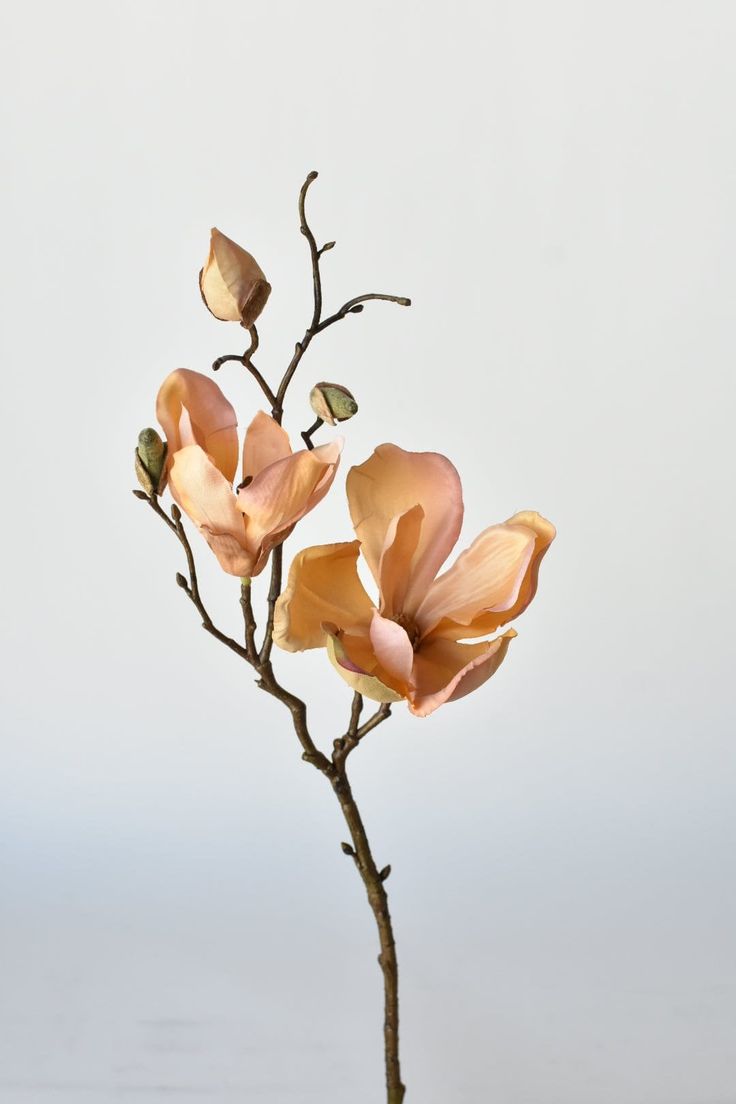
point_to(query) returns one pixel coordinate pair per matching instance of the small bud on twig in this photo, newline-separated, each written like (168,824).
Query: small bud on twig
(150,461)
(385,872)
(141,494)
(332,402)
(347,849)
(176,513)
(181,581)
(232,283)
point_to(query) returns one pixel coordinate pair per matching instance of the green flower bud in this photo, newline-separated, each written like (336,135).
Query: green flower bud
(332,402)
(150,461)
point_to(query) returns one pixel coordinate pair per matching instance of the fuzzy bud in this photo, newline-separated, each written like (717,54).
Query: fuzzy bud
(150,461)
(332,402)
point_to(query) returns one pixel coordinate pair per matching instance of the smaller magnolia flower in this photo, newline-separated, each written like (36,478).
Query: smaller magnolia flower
(413,643)
(332,402)
(278,488)
(232,284)
(192,410)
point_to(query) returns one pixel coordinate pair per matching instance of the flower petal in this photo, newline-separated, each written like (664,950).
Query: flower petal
(392,648)
(207,498)
(492,618)
(486,576)
(232,284)
(361,681)
(390,483)
(402,538)
(192,405)
(445,671)
(265,443)
(323,586)
(284,492)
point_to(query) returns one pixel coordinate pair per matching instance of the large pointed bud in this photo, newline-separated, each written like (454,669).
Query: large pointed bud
(332,402)
(150,461)
(233,286)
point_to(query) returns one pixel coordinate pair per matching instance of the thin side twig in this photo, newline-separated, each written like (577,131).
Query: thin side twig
(247,362)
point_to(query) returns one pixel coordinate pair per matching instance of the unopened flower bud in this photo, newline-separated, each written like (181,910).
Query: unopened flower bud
(150,461)
(232,284)
(332,402)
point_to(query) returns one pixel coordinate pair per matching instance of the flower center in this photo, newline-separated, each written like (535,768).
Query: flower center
(409,627)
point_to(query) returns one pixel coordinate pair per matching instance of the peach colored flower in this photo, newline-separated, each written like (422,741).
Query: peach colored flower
(407,511)
(278,487)
(232,284)
(192,410)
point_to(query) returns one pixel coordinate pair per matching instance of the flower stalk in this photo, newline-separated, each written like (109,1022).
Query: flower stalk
(334,767)
(424,639)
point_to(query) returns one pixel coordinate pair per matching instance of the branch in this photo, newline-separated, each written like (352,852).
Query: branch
(308,433)
(249,621)
(274,590)
(342,747)
(191,588)
(355,306)
(245,360)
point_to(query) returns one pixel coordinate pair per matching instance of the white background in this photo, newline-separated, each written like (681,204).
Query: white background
(553,185)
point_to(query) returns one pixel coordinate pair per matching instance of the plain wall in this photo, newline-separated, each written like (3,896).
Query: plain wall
(552,184)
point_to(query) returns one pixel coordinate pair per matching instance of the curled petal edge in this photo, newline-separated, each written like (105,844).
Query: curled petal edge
(367,685)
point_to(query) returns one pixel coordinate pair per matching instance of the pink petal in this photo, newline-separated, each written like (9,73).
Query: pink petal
(488,621)
(445,671)
(265,443)
(402,538)
(360,680)
(390,483)
(392,648)
(486,576)
(207,498)
(284,492)
(190,402)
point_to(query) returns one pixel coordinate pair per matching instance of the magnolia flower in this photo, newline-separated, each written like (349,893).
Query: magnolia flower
(192,410)
(232,284)
(407,511)
(278,487)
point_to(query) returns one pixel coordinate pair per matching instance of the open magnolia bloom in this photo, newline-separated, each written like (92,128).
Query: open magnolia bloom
(278,487)
(407,511)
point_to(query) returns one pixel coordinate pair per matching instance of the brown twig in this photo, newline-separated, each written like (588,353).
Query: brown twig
(191,586)
(317,325)
(249,620)
(246,361)
(308,433)
(355,306)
